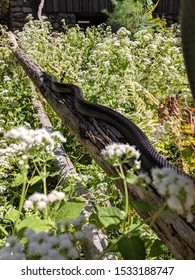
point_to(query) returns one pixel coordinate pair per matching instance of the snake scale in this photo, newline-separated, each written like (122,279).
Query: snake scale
(150,158)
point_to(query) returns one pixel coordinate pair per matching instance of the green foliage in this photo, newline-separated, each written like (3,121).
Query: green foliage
(135,15)
(132,248)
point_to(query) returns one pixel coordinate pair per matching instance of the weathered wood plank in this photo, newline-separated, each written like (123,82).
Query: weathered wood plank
(56,6)
(48,7)
(102,5)
(69,5)
(62,6)
(76,6)
(95,6)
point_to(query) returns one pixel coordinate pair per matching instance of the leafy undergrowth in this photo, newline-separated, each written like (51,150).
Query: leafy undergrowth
(132,74)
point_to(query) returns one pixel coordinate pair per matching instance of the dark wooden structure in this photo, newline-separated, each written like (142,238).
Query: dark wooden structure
(169,9)
(77,6)
(87,12)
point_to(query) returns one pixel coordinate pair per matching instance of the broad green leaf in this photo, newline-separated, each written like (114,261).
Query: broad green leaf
(94,219)
(131,178)
(69,211)
(18,180)
(142,205)
(110,216)
(157,249)
(78,199)
(35,179)
(132,248)
(112,246)
(11,216)
(187,153)
(34,223)
(55,173)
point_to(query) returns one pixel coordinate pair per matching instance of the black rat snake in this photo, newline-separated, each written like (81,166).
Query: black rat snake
(150,158)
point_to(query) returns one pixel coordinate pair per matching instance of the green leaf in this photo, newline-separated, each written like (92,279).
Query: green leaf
(78,199)
(69,211)
(18,180)
(112,246)
(187,153)
(143,205)
(110,216)
(34,223)
(94,219)
(11,216)
(131,178)
(132,248)
(35,179)
(55,173)
(157,249)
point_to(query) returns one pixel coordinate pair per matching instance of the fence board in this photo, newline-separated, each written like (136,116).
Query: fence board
(77,6)
(170,7)
(56,6)
(62,5)
(95,6)
(69,5)
(48,6)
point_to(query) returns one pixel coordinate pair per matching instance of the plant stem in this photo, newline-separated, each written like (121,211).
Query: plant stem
(122,175)
(22,198)
(3,230)
(45,187)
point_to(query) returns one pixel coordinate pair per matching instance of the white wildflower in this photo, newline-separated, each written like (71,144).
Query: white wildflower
(173,189)
(6,78)
(73,253)
(56,135)
(20,162)
(178,190)
(33,248)
(28,204)
(79,235)
(28,138)
(65,242)
(119,150)
(122,32)
(4,92)
(144,179)
(41,205)
(106,63)
(55,196)
(24,157)
(120,110)
(174,203)
(39,199)
(54,254)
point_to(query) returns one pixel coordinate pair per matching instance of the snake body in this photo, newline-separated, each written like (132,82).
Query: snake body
(150,158)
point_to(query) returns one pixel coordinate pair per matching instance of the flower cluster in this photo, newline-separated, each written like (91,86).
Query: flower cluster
(41,200)
(178,190)
(12,250)
(45,246)
(25,142)
(121,152)
(29,138)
